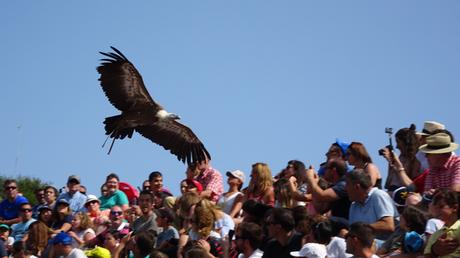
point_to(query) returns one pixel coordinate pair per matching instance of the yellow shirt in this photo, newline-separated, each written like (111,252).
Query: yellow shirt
(452,232)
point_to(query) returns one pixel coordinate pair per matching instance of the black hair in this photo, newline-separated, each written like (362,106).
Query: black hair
(409,138)
(448,196)
(322,232)
(9,181)
(251,232)
(282,217)
(154,174)
(416,219)
(363,232)
(112,175)
(339,165)
(145,241)
(147,192)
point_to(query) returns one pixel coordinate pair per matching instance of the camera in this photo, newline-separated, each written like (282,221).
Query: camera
(389,131)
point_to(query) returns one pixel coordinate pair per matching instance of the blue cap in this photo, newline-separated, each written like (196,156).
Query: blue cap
(343,145)
(413,242)
(62,238)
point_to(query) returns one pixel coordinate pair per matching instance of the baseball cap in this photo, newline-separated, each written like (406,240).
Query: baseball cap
(64,201)
(4,227)
(311,250)
(198,185)
(73,178)
(44,207)
(62,238)
(237,174)
(413,242)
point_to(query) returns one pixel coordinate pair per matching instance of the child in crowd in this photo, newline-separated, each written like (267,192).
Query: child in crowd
(446,208)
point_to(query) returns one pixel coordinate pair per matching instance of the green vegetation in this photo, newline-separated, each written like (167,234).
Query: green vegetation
(26,185)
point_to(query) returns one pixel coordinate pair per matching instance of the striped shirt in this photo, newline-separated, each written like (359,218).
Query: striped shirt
(211,179)
(445,176)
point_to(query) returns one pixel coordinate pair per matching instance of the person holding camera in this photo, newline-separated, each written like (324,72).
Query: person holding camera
(407,162)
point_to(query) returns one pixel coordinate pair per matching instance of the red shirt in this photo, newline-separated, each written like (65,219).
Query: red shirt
(211,179)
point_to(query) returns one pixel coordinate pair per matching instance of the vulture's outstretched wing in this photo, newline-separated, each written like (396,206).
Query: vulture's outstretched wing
(122,83)
(177,138)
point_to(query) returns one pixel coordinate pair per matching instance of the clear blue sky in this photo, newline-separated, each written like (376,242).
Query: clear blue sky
(258,81)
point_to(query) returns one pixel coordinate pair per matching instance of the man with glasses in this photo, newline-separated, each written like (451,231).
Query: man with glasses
(9,207)
(248,239)
(116,219)
(21,228)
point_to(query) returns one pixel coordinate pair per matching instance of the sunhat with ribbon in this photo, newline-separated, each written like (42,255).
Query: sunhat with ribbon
(438,143)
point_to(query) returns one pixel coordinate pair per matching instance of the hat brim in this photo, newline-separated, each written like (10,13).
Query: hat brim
(421,133)
(295,254)
(424,148)
(92,200)
(230,174)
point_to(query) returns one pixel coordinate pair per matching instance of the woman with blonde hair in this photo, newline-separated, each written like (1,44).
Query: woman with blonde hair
(358,157)
(261,185)
(82,231)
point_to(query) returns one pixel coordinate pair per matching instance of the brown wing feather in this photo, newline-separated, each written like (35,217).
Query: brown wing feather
(122,83)
(177,138)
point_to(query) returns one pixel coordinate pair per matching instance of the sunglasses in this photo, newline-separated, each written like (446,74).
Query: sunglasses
(11,187)
(116,213)
(26,210)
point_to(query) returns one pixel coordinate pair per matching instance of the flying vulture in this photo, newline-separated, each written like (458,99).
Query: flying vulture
(123,86)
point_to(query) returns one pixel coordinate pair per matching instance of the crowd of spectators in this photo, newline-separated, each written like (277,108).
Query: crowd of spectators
(342,210)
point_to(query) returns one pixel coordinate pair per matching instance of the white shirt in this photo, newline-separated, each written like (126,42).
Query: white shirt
(226,203)
(336,248)
(76,253)
(256,254)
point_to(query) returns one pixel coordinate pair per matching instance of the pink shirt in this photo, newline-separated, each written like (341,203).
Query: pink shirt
(444,177)
(211,179)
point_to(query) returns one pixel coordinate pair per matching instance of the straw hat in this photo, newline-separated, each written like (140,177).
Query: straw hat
(430,126)
(438,143)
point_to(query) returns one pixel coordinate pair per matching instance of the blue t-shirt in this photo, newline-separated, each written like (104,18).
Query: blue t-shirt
(377,205)
(76,201)
(10,210)
(168,234)
(19,229)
